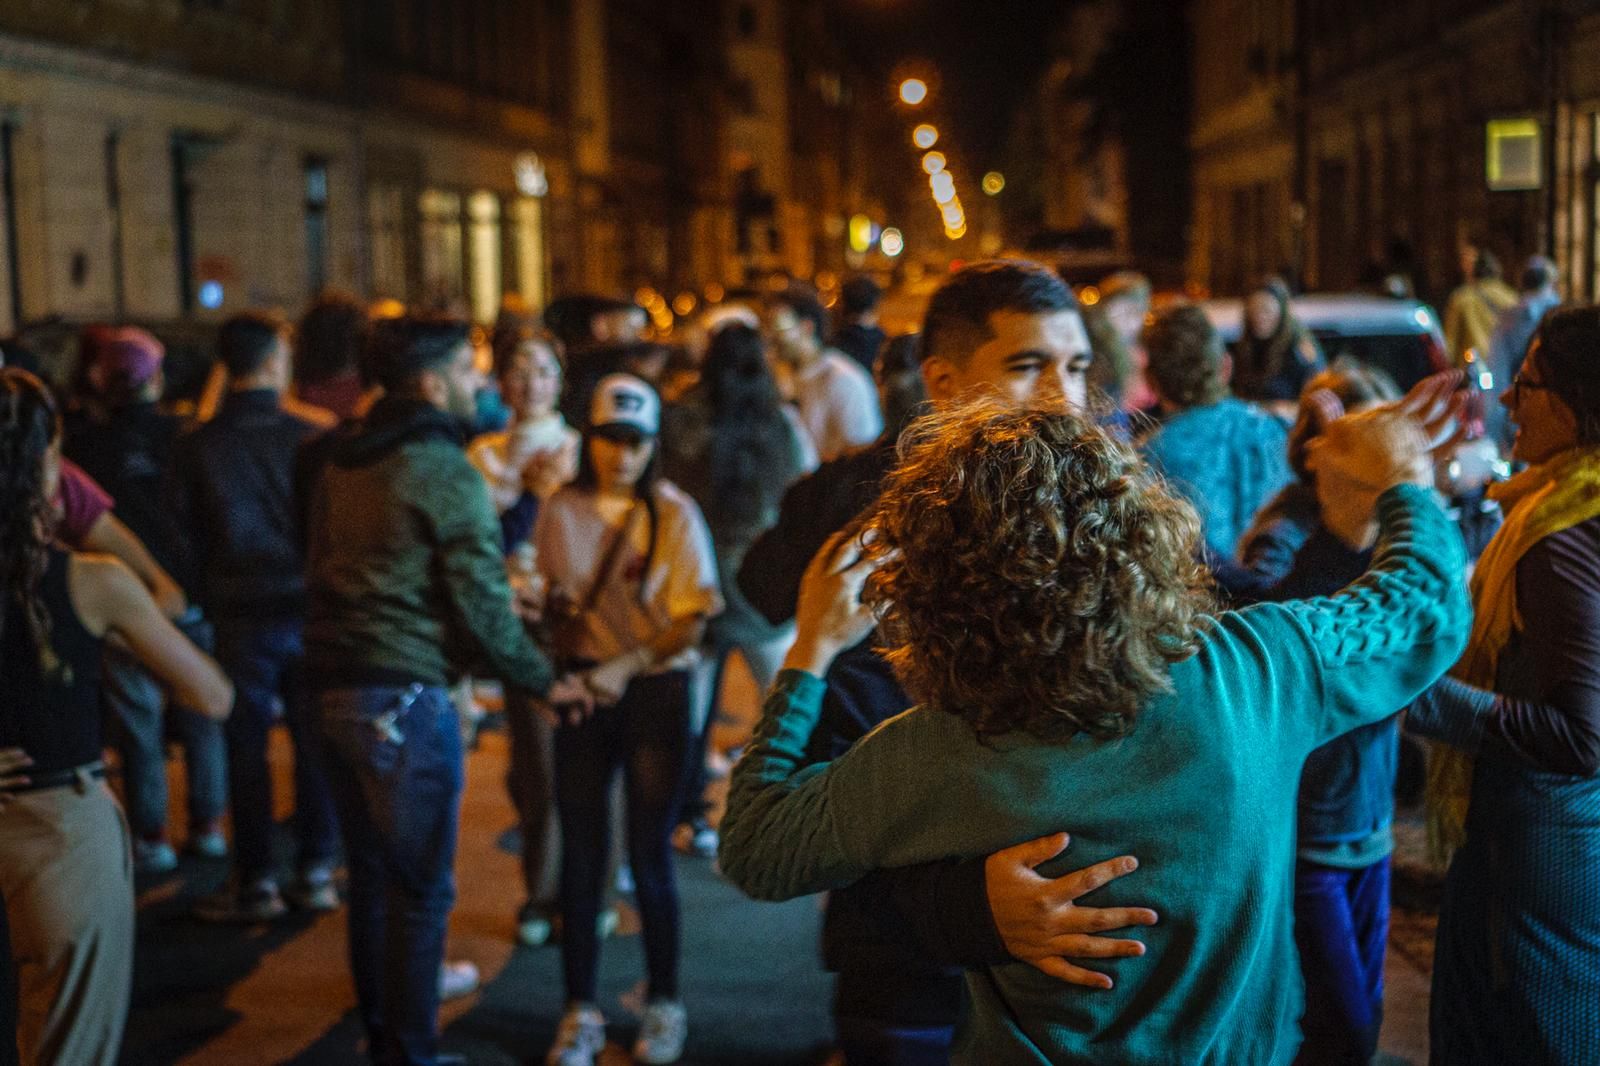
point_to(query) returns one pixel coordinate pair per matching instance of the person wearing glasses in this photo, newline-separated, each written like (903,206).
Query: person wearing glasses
(1517,972)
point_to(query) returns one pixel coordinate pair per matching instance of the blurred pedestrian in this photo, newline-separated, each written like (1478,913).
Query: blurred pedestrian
(1225,456)
(123,439)
(1475,306)
(736,465)
(834,394)
(231,496)
(632,580)
(406,584)
(858,335)
(65,872)
(1512,335)
(329,344)
(1275,354)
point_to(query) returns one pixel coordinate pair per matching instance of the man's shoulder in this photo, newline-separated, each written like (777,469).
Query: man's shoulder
(840,367)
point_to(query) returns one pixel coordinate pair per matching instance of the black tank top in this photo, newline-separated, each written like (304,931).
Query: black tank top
(54,718)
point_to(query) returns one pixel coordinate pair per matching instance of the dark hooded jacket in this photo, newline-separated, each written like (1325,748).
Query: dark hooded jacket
(406,580)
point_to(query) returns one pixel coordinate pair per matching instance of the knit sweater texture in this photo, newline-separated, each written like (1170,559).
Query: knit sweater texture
(1202,791)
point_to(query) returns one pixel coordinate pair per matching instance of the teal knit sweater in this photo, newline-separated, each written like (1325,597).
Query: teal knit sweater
(1202,791)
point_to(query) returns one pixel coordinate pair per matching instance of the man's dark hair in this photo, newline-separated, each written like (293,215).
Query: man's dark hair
(404,348)
(247,340)
(1539,273)
(860,296)
(1485,266)
(1186,357)
(804,303)
(898,373)
(331,337)
(957,319)
(1568,356)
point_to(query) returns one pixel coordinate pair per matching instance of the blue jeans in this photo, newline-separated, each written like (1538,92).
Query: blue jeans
(1341,927)
(263,659)
(394,759)
(136,701)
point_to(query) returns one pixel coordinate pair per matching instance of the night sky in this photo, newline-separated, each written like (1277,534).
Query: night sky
(987,52)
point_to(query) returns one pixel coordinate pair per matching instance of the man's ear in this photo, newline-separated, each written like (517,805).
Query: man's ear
(940,378)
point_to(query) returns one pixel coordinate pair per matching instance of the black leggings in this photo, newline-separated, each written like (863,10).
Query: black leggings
(647,734)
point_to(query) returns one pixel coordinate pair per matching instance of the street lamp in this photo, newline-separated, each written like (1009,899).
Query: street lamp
(925,136)
(933,163)
(993,182)
(913,91)
(892,242)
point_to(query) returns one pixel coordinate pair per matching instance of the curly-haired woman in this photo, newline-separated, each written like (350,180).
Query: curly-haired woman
(1037,589)
(65,868)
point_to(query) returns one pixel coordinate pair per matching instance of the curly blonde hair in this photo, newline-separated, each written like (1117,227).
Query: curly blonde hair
(1032,576)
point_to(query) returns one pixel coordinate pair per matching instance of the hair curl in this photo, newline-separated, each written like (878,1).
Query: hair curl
(1033,575)
(29,424)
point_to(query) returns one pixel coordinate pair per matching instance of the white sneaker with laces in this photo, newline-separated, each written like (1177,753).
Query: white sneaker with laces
(662,1033)
(579,1039)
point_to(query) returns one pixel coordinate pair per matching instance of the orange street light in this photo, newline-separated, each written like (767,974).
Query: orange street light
(913,91)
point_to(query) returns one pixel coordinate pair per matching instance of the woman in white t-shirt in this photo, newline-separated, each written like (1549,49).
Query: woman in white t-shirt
(632,580)
(538,452)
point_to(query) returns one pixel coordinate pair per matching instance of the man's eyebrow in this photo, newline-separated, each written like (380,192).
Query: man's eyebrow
(1027,354)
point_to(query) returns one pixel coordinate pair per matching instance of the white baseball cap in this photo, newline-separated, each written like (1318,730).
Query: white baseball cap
(622,401)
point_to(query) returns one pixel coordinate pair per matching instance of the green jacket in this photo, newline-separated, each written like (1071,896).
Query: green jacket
(1202,792)
(405,575)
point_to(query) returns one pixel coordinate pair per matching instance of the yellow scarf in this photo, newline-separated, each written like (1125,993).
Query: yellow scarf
(1541,501)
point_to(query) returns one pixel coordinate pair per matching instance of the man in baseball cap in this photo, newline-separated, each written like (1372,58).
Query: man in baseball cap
(121,361)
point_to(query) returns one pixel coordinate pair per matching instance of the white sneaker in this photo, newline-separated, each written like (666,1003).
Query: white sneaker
(457,979)
(662,1033)
(579,1039)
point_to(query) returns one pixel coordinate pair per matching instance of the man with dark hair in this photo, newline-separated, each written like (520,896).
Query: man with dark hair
(859,336)
(1225,456)
(1012,329)
(407,591)
(834,394)
(331,338)
(230,495)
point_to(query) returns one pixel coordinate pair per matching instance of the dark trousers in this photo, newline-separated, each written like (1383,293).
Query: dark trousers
(528,782)
(896,1015)
(647,735)
(1341,927)
(263,659)
(395,761)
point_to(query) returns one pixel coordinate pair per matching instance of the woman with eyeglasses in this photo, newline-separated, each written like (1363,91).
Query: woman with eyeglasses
(1517,794)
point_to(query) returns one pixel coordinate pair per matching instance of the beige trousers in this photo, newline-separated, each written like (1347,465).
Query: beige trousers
(67,881)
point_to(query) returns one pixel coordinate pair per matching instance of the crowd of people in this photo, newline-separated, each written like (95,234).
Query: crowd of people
(1085,640)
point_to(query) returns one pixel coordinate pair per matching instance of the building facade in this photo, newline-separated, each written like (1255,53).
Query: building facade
(1336,141)
(176,160)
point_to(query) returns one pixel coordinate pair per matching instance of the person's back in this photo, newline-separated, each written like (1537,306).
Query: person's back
(236,474)
(1228,459)
(1035,722)
(127,451)
(1225,456)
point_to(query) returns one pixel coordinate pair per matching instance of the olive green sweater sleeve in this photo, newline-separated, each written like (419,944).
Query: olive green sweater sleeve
(779,838)
(466,536)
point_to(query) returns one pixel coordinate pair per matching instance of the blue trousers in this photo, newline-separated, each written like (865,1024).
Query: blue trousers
(1341,927)
(395,762)
(138,704)
(263,657)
